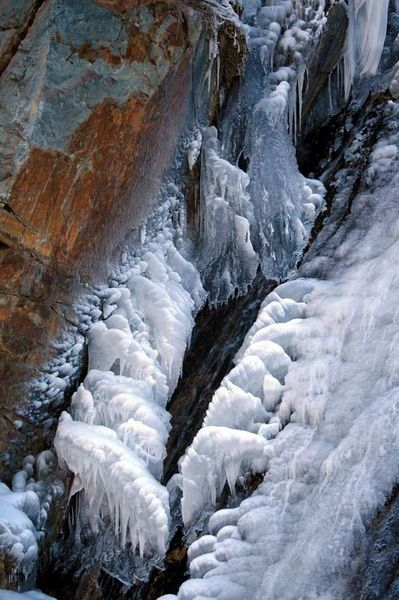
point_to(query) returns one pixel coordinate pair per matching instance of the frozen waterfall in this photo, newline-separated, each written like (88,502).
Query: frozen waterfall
(310,409)
(316,383)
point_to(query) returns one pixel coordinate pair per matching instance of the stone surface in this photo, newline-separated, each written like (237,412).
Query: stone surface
(84,93)
(325,59)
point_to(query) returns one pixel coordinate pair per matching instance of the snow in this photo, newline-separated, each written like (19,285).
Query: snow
(333,463)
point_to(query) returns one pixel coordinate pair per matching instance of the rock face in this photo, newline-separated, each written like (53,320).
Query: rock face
(85,89)
(326,57)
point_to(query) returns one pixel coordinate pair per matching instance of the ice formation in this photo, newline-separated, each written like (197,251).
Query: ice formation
(115,442)
(301,393)
(24,509)
(226,213)
(332,457)
(245,412)
(365,38)
(260,216)
(113,474)
(32,595)
(284,207)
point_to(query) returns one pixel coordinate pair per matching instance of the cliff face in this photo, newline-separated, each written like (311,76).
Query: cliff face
(85,89)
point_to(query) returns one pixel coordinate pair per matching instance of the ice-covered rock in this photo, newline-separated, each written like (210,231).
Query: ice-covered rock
(245,412)
(31,595)
(333,463)
(114,443)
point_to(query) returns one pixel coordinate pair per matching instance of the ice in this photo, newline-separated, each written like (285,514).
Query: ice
(116,481)
(114,442)
(333,463)
(251,213)
(245,412)
(18,535)
(283,209)
(31,595)
(256,209)
(203,545)
(216,456)
(24,508)
(194,149)
(365,38)
(227,259)
(394,87)
(275,212)
(146,442)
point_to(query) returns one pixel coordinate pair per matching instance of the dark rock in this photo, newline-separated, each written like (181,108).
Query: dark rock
(326,57)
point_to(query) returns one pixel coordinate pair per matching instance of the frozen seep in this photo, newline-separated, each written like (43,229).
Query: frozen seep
(114,443)
(365,38)
(227,258)
(332,462)
(245,412)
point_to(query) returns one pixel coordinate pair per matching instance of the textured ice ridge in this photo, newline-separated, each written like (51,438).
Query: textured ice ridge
(246,411)
(114,443)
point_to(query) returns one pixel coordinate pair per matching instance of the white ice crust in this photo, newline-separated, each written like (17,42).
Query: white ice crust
(331,457)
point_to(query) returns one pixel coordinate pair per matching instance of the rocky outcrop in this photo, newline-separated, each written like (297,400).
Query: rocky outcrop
(326,57)
(86,89)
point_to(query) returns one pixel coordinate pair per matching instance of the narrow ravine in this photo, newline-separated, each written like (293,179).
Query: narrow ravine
(217,336)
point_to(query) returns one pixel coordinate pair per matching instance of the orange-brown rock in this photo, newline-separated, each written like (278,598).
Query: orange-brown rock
(93,103)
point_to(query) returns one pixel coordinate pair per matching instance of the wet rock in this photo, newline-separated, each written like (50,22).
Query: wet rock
(327,56)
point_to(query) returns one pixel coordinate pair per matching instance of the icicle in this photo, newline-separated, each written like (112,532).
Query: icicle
(330,102)
(365,38)
(302,71)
